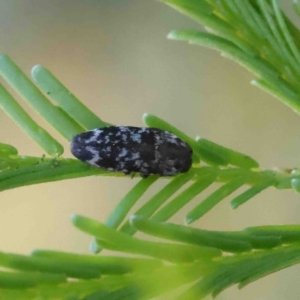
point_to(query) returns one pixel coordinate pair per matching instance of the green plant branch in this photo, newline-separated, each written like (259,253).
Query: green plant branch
(114,240)
(26,123)
(243,270)
(123,207)
(208,203)
(275,39)
(153,204)
(257,35)
(171,208)
(153,277)
(285,31)
(65,99)
(106,264)
(18,80)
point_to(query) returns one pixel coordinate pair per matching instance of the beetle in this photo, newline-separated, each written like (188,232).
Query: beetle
(131,149)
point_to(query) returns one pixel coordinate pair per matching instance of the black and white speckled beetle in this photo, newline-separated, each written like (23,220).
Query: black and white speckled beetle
(132,149)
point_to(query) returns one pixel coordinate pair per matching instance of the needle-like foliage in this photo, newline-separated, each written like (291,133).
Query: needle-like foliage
(257,35)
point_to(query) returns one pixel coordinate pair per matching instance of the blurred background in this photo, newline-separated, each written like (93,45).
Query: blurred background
(114,56)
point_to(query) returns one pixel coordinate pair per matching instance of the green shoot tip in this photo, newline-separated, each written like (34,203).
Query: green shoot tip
(234,205)
(75,219)
(145,116)
(171,35)
(188,220)
(94,248)
(35,69)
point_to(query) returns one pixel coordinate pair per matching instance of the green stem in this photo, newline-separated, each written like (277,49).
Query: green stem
(25,263)
(159,199)
(114,240)
(63,123)
(185,197)
(125,205)
(27,124)
(207,204)
(65,99)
